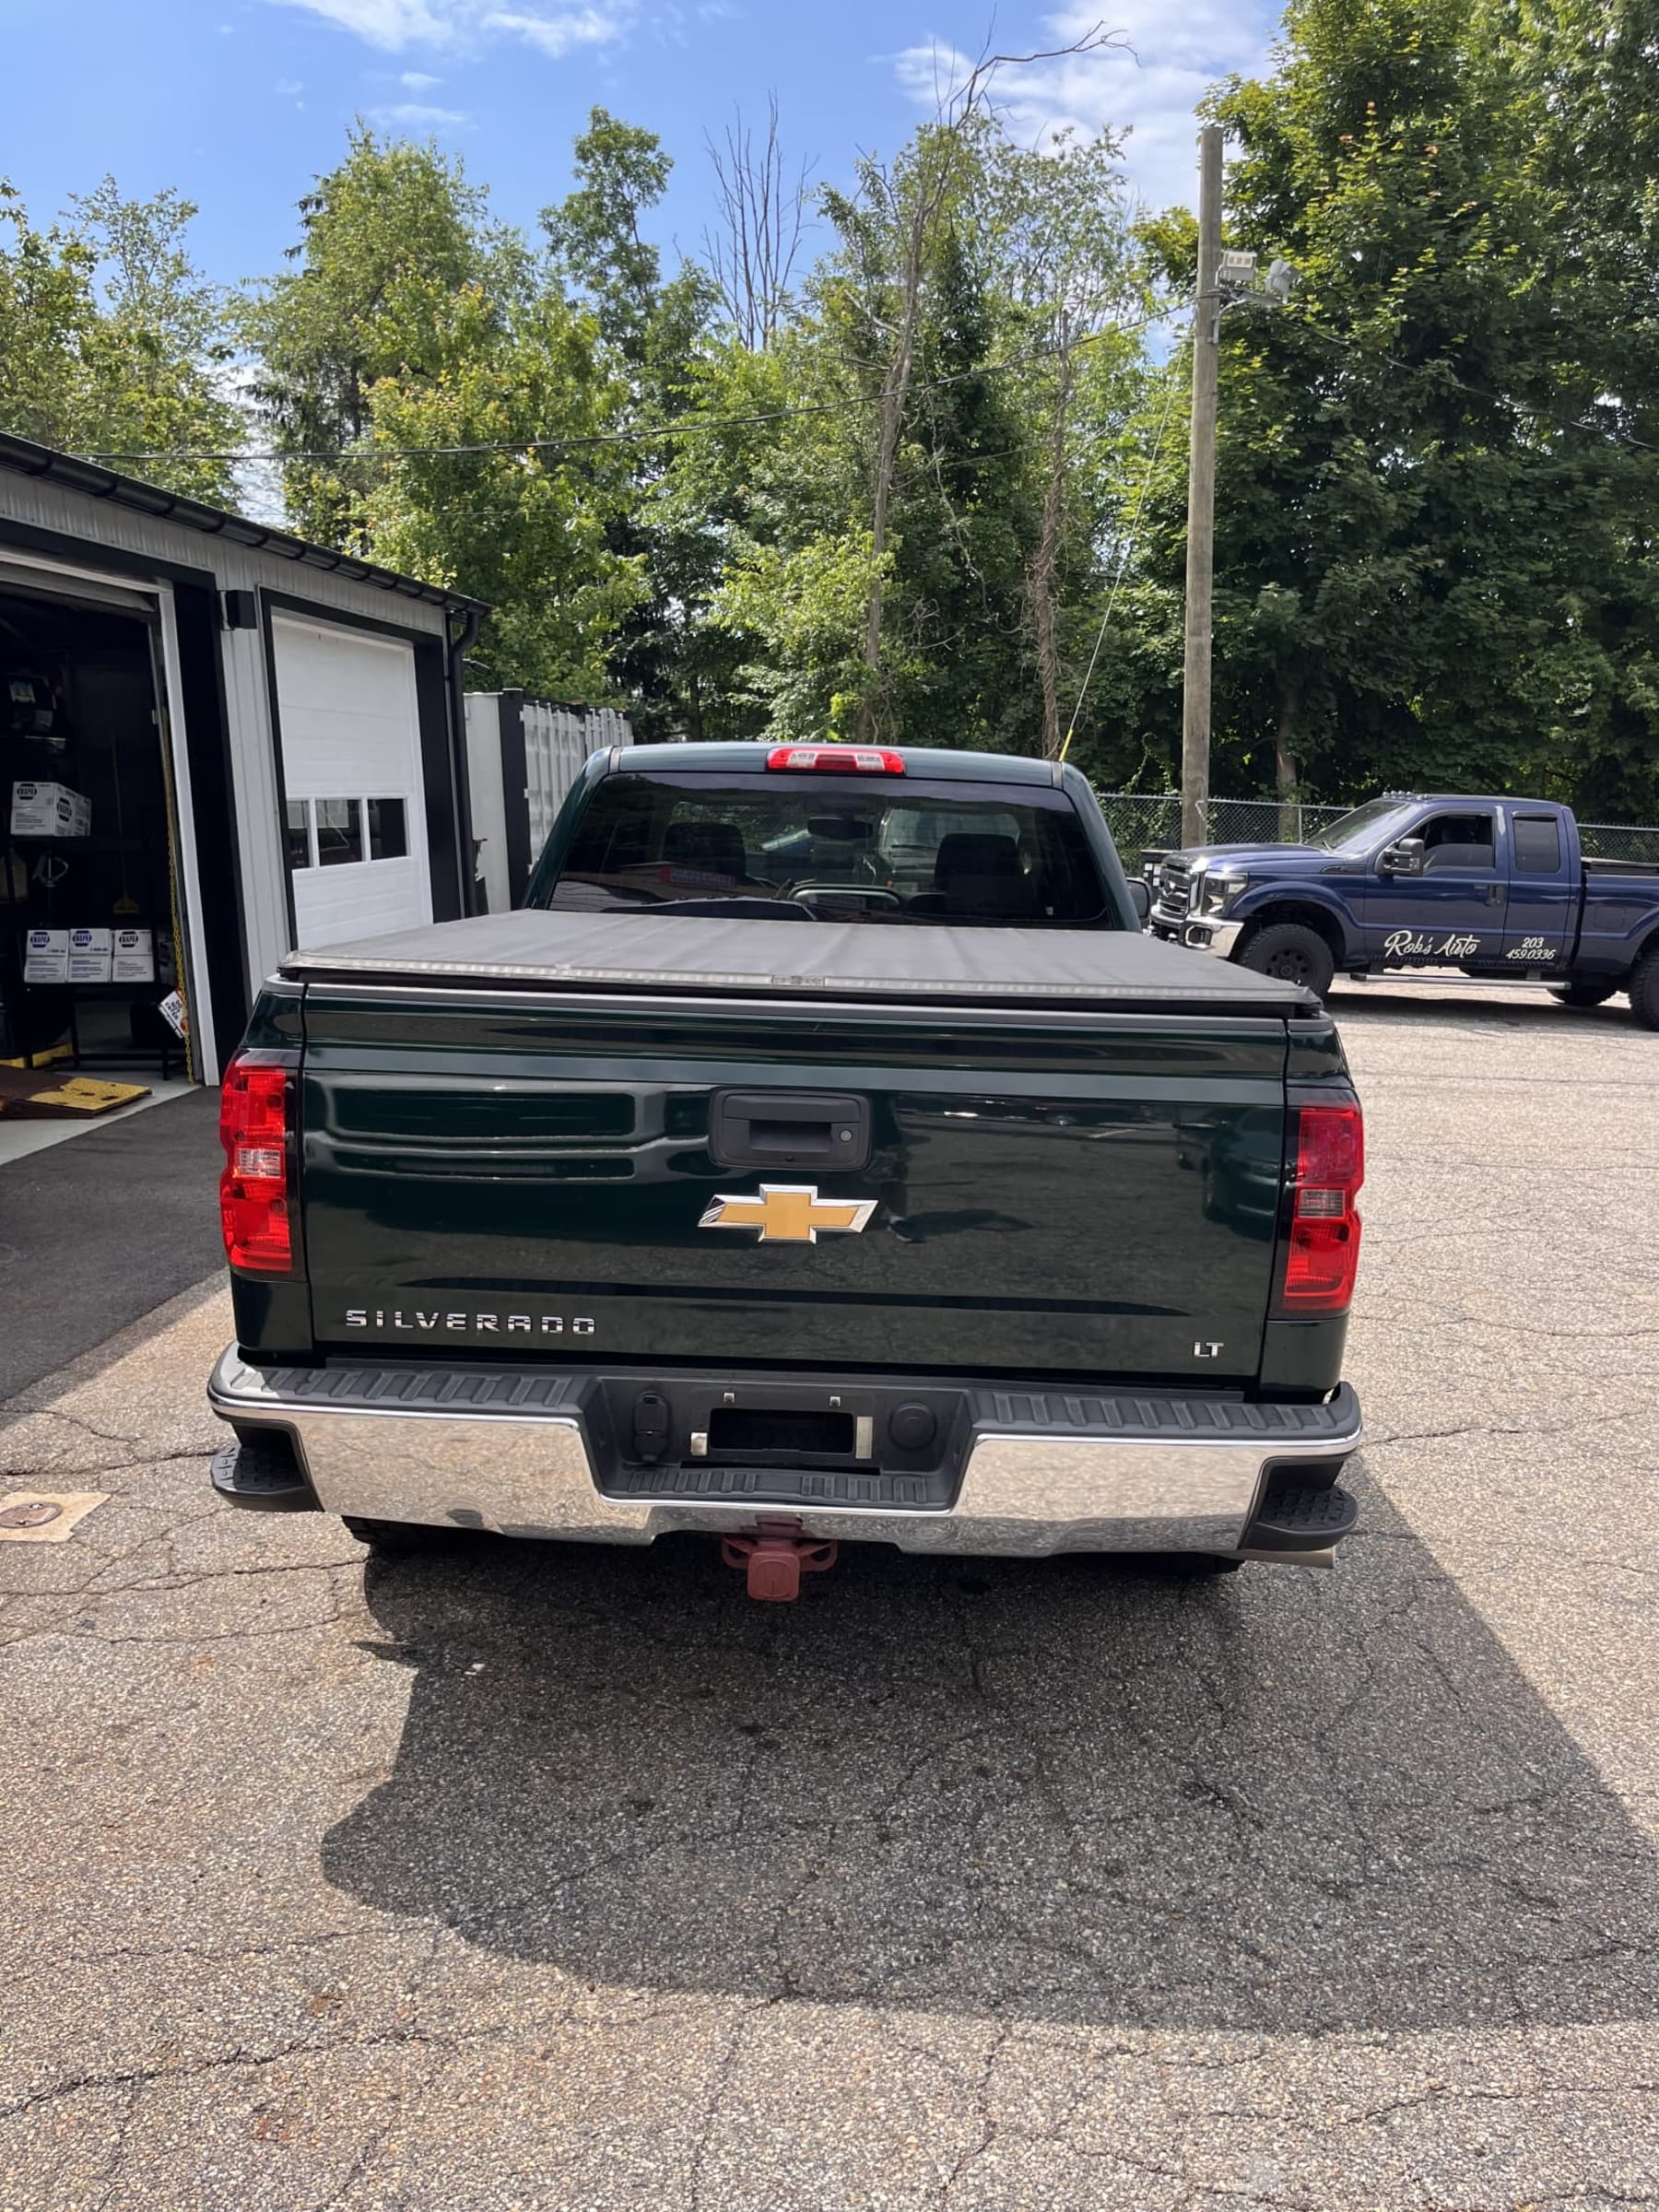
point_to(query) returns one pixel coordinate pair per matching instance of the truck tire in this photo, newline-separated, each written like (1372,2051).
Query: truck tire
(1583,995)
(1292,953)
(1643,987)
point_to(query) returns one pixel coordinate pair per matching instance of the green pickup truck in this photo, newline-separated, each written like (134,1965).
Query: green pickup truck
(822,1153)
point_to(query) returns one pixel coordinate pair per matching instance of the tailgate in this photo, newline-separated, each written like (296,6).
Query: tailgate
(507,1172)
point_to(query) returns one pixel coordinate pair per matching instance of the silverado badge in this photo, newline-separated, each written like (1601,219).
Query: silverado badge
(788,1213)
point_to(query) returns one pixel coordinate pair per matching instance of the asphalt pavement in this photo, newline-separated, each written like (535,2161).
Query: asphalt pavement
(530,1879)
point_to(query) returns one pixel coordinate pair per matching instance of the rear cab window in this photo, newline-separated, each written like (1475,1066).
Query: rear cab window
(956,853)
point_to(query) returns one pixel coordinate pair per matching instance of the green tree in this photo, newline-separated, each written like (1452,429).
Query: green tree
(528,527)
(111,341)
(388,239)
(1062,226)
(1432,544)
(655,329)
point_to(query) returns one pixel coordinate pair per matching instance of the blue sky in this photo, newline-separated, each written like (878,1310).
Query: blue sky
(241,102)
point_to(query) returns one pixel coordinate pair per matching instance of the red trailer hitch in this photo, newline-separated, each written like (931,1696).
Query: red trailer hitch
(776,1556)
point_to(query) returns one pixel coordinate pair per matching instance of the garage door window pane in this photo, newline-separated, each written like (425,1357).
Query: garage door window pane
(339,831)
(388,830)
(299,833)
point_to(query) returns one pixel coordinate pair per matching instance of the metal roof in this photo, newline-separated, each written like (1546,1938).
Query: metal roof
(25,458)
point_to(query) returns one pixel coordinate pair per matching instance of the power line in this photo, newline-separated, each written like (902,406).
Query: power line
(646,434)
(1163,424)
(1497,399)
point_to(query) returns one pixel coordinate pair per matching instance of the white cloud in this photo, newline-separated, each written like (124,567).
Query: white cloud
(411,115)
(416,80)
(287,87)
(389,23)
(1150,92)
(556,31)
(553,27)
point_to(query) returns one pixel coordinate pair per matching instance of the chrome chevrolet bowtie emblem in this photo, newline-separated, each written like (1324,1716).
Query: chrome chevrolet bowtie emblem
(788,1213)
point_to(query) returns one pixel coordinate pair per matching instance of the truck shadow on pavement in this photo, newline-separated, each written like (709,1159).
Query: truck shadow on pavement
(1468,1010)
(1070,1791)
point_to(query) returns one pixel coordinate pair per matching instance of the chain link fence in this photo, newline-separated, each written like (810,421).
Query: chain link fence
(1620,840)
(1145,823)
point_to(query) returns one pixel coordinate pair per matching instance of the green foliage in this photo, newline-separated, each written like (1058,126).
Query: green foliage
(946,461)
(110,340)
(653,330)
(526,528)
(1432,551)
(804,609)
(388,239)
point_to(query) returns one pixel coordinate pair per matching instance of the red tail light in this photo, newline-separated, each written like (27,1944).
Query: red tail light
(254,1186)
(842,759)
(1322,1250)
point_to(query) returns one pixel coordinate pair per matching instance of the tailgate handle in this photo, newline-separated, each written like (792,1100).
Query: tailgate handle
(789,1129)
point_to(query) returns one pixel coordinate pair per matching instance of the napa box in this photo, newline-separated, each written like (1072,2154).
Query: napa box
(132,957)
(49,810)
(46,956)
(90,956)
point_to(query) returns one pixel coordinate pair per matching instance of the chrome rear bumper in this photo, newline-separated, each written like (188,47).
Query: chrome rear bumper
(527,1454)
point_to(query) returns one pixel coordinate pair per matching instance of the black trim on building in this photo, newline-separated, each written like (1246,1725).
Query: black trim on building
(515,795)
(94,480)
(222,932)
(268,652)
(461,643)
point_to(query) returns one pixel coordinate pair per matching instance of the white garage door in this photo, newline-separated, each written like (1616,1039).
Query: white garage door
(351,731)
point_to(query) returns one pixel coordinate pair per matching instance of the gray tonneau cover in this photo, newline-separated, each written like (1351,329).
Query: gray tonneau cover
(908,962)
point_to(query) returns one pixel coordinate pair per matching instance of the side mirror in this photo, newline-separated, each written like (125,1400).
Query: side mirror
(1404,857)
(1140,898)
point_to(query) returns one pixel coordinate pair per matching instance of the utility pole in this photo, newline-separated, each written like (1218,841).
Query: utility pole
(1201,495)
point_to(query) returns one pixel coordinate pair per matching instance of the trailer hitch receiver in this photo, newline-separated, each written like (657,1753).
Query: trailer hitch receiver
(775,1557)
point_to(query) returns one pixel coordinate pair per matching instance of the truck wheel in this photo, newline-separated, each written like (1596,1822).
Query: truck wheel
(1643,987)
(1583,995)
(393,1539)
(1292,953)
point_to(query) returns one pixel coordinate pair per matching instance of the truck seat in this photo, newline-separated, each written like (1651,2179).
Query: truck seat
(711,848)
(977,872)
(1440,859)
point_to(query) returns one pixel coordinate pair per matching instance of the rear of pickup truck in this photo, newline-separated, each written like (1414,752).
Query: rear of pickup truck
(596,1225)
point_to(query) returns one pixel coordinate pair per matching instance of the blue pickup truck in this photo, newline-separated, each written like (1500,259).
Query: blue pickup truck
(1487,887)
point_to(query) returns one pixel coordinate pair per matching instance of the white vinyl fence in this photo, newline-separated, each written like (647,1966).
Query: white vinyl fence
(558,740)
(522,755)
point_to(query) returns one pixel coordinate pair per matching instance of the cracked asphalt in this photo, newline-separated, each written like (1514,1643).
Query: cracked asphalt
(519,1878)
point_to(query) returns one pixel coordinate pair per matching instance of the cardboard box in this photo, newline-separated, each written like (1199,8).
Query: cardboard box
(90,956)
(132,957)
(46,956)
(49,810)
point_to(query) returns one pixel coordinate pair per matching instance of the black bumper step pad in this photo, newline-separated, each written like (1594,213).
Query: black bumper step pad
(1300,1516)
(263,1474)
(774,1486)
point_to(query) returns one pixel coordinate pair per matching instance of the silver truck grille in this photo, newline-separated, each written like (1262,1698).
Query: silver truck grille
(1174,890)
